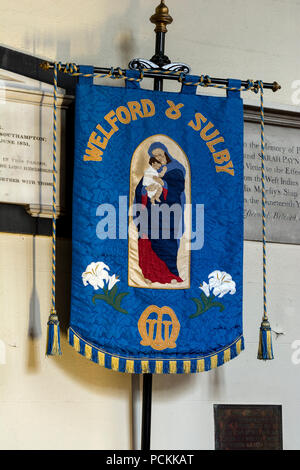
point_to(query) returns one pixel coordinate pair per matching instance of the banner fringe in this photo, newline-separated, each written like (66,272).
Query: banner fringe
(153,366)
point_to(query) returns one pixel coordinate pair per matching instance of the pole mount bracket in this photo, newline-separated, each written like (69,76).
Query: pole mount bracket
(139,63)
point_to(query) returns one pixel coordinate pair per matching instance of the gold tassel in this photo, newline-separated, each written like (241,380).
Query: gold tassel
(53,346)
(265,350)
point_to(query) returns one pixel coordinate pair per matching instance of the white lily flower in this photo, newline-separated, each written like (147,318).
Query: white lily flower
(205,287)
(95,275)
(221,283)
(112,280)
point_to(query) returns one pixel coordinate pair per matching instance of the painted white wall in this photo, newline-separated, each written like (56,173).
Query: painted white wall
(183,406)
(221,38)
(71,403)
(50,403)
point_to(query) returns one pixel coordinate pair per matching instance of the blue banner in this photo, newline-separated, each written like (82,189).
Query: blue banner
(157,260)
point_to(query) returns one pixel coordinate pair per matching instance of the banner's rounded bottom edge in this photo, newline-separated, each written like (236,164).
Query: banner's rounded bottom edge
(155,366)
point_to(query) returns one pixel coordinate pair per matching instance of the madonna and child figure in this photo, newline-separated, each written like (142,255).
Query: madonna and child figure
(163,183)
(154,187)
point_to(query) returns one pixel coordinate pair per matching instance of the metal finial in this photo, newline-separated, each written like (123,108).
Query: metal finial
(276,86)
(45,65)
(161,18)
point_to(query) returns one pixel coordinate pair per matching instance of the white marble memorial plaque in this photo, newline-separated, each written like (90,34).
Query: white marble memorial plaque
(26,119)
(282,169)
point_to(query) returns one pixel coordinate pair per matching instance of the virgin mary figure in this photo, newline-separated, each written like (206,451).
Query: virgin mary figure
(157,254)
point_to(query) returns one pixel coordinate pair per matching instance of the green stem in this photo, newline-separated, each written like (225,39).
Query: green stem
(207,305)
(109,300)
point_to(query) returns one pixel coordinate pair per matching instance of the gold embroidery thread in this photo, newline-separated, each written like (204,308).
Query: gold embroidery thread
(159,333)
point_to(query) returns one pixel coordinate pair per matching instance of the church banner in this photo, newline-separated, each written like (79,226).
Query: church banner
(157,262)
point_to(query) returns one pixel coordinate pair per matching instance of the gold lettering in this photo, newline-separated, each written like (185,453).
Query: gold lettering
(92,153)
(228,168)
(203,133)
(107,134)
(135,109)
(173,111)
(221,157)
(148,108)
(96,140)
(211,144)
(123,114)
(197,125)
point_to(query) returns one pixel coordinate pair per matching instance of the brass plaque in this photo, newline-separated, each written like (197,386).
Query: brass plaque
(248,427)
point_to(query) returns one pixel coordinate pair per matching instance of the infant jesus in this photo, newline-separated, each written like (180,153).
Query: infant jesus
(152,175)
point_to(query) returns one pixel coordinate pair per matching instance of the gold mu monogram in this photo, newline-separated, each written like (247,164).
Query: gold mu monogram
(166,332)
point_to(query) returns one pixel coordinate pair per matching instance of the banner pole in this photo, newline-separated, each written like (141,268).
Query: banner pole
(160,18)
(146,412)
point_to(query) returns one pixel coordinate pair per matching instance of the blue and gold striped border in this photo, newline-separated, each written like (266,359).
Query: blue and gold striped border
(154,366)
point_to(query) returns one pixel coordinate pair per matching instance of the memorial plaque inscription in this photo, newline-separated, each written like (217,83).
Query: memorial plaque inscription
(26,147)
(282,169)
(248,427)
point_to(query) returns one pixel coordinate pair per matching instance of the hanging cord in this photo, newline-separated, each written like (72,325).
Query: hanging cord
(205,81)
(53,347)
(265,350)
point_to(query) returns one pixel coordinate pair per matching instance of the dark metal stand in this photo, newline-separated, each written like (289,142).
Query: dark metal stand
(146,412)
(161,18)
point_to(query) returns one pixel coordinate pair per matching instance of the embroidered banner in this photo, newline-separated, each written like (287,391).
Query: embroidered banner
(157,227)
